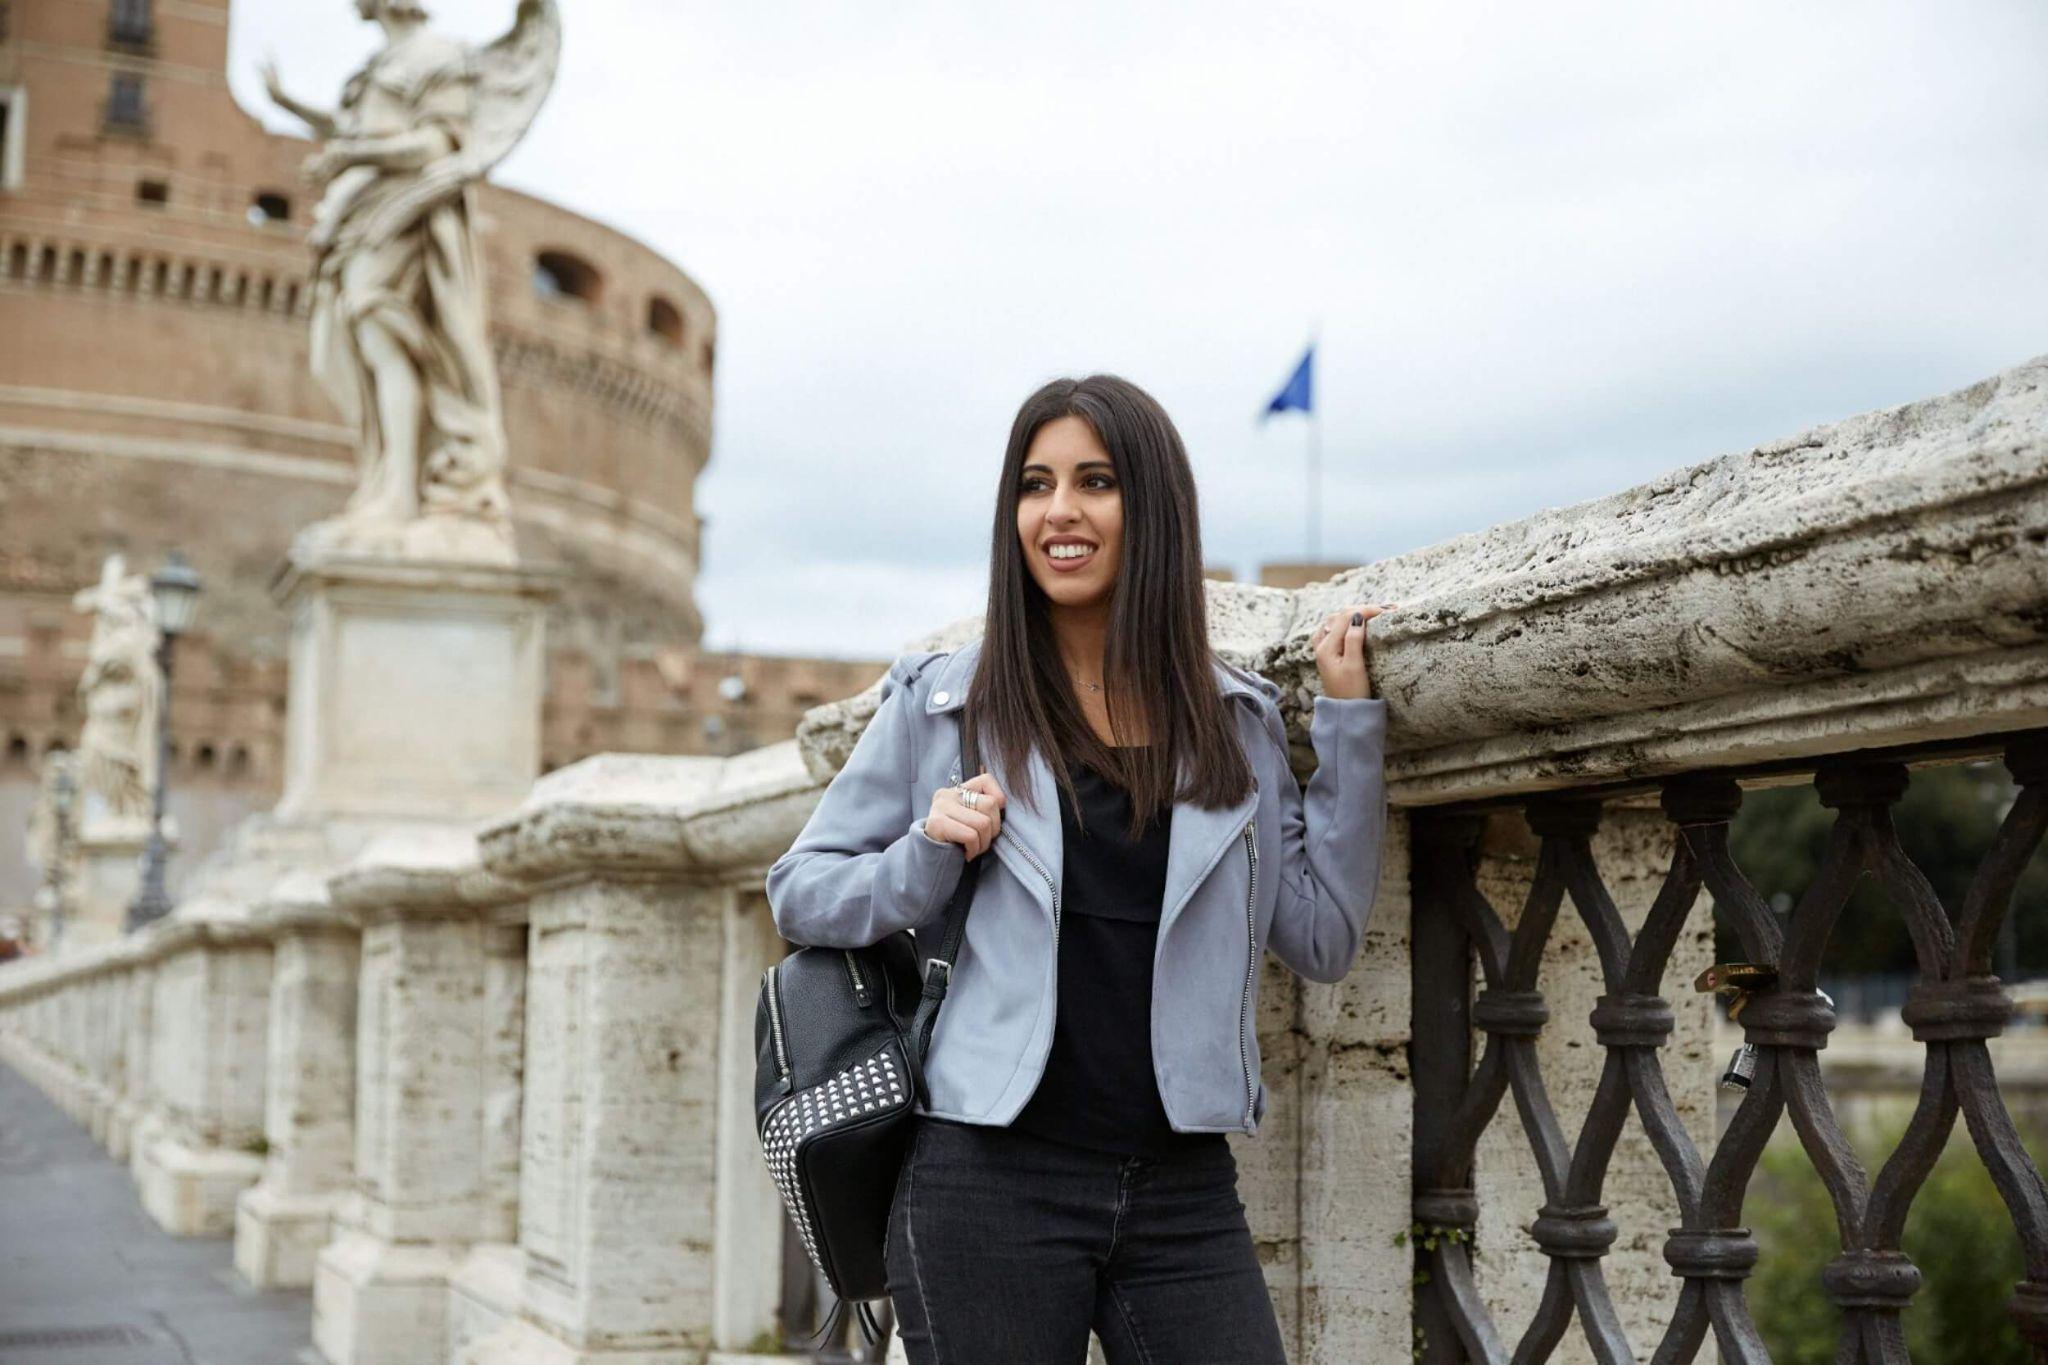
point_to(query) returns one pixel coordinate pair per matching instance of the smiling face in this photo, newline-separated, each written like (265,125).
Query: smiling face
(1070,514)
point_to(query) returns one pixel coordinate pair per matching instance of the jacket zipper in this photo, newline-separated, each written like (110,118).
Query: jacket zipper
(1004,833)
(768,988)
(1251,967)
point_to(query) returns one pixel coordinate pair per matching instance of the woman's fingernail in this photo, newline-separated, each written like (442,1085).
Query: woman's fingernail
(1357,618)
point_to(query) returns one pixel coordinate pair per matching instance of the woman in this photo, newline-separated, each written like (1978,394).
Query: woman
(1099,1037)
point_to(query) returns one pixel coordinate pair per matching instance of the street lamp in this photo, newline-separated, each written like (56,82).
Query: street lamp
(176,589)
(63,798)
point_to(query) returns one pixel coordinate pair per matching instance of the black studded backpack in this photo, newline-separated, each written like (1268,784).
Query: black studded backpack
(839,1044)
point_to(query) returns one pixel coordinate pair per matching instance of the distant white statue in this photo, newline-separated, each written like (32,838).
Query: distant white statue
(48,835)
(122,696)
(399,330)
(53,828)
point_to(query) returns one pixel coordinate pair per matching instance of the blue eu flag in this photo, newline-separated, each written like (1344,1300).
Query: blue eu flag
(1298,394)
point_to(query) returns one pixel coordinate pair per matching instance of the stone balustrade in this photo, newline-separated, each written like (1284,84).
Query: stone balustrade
(487,1089)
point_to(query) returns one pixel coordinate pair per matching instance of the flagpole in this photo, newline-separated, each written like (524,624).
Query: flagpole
(1315,451)
(1315,462)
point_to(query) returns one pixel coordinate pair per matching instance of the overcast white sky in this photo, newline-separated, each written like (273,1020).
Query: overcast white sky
(1552,250)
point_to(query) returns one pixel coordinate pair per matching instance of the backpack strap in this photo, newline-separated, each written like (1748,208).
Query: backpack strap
(938,967)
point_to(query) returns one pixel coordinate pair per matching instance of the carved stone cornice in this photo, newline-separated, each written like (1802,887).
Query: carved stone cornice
(423,873)
(619,815)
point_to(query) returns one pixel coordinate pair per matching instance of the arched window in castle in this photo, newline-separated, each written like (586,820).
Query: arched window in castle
(125,111)
(559,275)
(13,102)
(665,320)
(130,23)
(269,207)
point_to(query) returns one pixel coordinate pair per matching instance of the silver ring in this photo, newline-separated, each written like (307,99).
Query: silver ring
(969,799)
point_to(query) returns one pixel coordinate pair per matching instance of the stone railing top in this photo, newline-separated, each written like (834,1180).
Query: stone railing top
(299,903)
(424,870)
(26,977)
(1873,582)
(638,814)
(140,948)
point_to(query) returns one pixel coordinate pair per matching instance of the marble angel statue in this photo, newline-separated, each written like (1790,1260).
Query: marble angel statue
(399,334)
(52,823)
(122,696)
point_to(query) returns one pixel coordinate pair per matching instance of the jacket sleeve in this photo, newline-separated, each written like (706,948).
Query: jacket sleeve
(863,867)
(1330,838)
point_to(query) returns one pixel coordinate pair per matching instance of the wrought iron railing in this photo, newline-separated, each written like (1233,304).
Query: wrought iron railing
(1955,1005)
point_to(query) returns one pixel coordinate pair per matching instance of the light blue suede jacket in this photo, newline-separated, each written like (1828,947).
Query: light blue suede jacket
(1279,870)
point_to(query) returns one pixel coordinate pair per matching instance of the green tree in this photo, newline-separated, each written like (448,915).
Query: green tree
(1946,822)
(1958,1233)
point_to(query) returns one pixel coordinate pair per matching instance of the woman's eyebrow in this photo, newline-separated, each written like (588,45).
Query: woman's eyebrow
(1085,464)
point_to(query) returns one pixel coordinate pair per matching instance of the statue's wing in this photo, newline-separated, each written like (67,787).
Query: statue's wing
(513,78)
(514,75)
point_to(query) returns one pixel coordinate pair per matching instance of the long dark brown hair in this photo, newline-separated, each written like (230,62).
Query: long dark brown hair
(1157,666)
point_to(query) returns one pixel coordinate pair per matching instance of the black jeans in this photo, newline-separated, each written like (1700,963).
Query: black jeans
(1005,1248)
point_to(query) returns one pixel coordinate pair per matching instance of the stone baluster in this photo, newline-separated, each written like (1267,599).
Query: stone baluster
(435,1079)
(201,1145)
(110,992)
(649,1231)
(309,1124)
(134,1024)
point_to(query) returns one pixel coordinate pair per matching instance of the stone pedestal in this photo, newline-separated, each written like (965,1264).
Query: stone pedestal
(281,1224)
(415,688)
(109,870)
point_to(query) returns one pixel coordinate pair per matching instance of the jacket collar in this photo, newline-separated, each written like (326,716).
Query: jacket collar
(1197,838)
(949,687)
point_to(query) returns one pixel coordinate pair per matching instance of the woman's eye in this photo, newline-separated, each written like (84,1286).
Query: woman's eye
(1032,485)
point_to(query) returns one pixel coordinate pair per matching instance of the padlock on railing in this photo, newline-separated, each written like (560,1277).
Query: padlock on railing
(1736,980)
(1741,1068)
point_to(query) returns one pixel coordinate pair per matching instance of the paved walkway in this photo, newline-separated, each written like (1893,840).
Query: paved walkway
(87,1279)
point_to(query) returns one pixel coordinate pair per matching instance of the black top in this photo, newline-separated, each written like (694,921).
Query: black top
(1099,1090)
